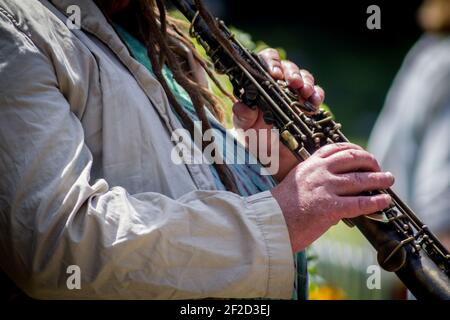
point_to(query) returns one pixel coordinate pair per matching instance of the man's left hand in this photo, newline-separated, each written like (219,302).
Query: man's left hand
(299,80)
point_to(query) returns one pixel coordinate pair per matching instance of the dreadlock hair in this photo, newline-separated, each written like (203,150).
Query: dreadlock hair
(151,25)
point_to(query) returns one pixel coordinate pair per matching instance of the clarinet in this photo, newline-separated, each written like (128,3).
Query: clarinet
(403,243)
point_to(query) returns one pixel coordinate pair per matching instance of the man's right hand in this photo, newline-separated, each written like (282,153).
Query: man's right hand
(326,188)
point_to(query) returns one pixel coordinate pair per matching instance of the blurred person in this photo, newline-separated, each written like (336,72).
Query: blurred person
(86,117)
(411,137)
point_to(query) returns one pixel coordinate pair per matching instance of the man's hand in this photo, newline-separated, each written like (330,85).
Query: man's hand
(301,80)
(326,188)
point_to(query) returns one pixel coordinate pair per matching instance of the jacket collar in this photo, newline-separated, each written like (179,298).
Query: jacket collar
(94,22)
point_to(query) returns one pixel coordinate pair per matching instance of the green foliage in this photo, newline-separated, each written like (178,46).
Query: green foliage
(246,40)
(315,280)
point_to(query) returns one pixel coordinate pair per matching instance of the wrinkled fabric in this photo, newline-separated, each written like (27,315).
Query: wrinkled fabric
(243,166)
(86,177)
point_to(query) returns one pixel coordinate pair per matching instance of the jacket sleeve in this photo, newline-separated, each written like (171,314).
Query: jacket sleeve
(52,216)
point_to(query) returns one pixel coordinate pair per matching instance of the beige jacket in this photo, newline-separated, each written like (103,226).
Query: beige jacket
(86,177)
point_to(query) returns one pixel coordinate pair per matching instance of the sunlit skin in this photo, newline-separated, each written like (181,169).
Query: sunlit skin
(298,79)
(434,16)
(317,193)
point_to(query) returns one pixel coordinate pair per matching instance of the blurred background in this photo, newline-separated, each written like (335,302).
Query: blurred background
(356,67)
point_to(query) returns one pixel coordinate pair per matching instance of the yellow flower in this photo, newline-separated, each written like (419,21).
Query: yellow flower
(327,293)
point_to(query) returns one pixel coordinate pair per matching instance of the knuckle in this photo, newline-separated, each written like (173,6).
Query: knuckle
(330,181)
(351,154)
(319,90)
(341,181)
(276,63)
(341,145)
(307,74)
(352,146)
(289,65)
(344,208)
(302,171)
(362,204)
(308,179)
(322,151)
(357,178)
(337,183)
(270,53)
(332,148)
(308,78)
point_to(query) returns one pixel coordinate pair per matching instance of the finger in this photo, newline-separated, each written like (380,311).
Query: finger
(292,74)
(308,87)
(272,58)
(351,161)
(333,148)
(243,116)
(355,206)
(358,182)
(317,97)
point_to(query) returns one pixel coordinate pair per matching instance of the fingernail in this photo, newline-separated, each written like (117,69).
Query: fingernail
(297,75)
(307,87)
(390,175)
(276,69)
(315,97)
(388,199)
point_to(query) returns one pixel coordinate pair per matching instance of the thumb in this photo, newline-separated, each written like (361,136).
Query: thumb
(244,117)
